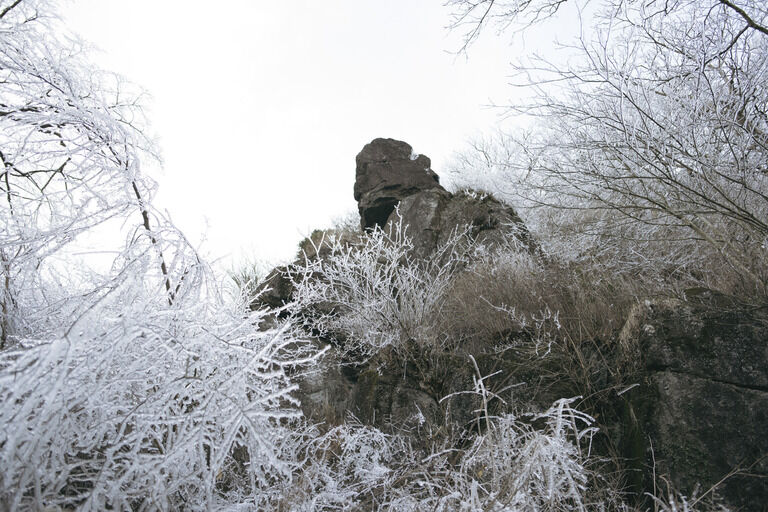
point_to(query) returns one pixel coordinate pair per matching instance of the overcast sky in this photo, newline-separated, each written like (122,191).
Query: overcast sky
(260,107)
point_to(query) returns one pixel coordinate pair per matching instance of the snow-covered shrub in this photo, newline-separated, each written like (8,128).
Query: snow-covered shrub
(138,403)
(510,467)
(345,466)
(523,468)
(140,386)
(528,461)
(676,502)
(70,138)
(358,467)
(376,294)
(641,151)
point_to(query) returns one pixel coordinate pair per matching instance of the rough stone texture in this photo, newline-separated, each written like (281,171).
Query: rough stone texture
(388,175)
(421,213)
(712,343)
(491,222)
(274,291)
(432,216)
(386,399)
(387,172)
(382,397)
(323,393)
(320,243)
(703,399)
(704,429)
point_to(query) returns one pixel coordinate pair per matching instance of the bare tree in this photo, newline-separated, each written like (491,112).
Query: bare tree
(71,144)
(138,388)
(658,132)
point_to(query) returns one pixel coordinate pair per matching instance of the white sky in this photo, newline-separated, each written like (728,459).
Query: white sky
(261,106)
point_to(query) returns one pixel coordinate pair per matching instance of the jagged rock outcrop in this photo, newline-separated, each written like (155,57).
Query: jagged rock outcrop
(703,396)
(276,289)
(433,216)
(692,374)
(387,172)
(389,175)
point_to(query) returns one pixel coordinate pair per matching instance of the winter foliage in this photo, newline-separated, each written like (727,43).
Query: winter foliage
(647,144)
(142,388)
(153,386)
(377,294)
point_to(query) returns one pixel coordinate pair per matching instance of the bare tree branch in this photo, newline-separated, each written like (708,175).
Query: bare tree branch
(751,23)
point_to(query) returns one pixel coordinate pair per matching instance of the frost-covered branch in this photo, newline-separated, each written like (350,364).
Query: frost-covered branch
(136,387)
(654,133)
(377,294)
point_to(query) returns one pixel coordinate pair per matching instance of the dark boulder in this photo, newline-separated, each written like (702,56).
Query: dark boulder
(387,172)
(702,401)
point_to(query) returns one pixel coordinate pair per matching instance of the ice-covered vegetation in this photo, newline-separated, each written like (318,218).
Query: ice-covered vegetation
(152,385)
(380,295)
(143,387)
(647,140)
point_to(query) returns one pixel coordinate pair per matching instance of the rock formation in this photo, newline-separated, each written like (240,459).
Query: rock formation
(432,217)
(389,175)
(695,409)
(387,172)
(703,396)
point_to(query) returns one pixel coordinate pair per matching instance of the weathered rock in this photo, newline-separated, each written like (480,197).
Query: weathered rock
(386,399)
(320,243)
(277,288)
(274,291)
(703,398)
(433,216)
(323,393)
(421,215)
(491,222)
(705,429)
(387,172)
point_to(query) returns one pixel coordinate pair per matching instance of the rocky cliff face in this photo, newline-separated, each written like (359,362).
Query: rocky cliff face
(702,401)
(389,176)
(694,405)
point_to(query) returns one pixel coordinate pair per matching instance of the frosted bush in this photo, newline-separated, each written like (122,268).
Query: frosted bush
(347,464)
(135,388)
(510,467)
(641,154)
(137,403)
(676,502)
(377,294)
(522,468)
